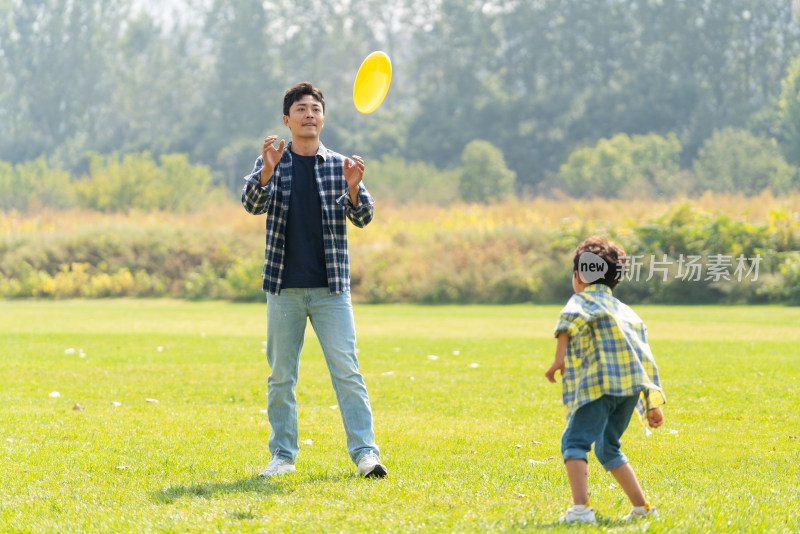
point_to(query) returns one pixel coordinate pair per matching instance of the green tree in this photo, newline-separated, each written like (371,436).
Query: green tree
(484,175)
(736,161)
(790,113)
(58,85)
(393,179)
(136,181)
(34,184)
(623,166)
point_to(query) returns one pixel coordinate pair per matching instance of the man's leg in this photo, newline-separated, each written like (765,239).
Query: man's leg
(332,319)
(286,324)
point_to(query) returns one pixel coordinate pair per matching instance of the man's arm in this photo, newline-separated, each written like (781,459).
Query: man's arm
(359,208)
(259,188)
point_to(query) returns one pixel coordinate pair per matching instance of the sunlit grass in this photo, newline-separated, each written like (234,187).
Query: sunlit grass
(457,432)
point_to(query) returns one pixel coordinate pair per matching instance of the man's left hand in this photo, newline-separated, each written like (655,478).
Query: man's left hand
(353,174)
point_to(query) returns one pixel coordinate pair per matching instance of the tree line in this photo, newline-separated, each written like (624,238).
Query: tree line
(593,97)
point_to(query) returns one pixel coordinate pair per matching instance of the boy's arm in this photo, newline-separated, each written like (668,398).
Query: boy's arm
(558,362)
(655,418)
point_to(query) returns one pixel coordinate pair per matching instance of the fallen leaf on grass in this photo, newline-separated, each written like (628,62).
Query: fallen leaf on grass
(334,407)
(536,442)
(388,373)
(433,357)
(670,432)
(520,495)
(308,441)
(55,395)
(612,486)
(473,365)
(123,467)
(78,408)
(116,404)
(517,446)
(542,461)
(155,401)
(69,351)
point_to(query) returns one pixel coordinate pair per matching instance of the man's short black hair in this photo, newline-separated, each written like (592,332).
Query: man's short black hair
(299,91)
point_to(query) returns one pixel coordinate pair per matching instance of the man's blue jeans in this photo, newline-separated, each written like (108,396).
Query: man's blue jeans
(331,316)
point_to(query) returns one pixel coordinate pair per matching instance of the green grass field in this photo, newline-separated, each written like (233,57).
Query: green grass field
(471,439)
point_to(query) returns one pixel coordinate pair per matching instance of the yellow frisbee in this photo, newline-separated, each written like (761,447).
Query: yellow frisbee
(372,82)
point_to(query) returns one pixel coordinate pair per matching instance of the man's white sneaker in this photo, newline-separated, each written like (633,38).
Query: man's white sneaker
(369,466)
(586,515)
(277,467)
(641,511)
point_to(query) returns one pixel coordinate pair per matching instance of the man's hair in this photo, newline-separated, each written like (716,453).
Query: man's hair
(612,253)
(299,91)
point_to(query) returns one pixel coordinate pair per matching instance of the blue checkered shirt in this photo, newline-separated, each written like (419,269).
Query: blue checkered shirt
(608,353)
(273,199)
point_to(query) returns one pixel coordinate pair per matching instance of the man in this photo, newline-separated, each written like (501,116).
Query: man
(307,191)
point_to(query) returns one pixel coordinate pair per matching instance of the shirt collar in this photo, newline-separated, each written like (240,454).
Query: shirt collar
(322,152)
(598,288)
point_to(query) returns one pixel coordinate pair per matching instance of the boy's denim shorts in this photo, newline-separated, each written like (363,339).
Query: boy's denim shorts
(601,422)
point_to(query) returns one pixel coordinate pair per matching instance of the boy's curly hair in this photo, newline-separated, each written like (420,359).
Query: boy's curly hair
(613,254)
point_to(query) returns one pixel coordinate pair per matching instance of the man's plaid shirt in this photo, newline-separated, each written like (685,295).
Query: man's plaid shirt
(336,206)
(608,353)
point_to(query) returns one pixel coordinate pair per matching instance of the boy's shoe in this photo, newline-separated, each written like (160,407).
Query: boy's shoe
(641,511)
(578,516)
(277,467)
(369,466)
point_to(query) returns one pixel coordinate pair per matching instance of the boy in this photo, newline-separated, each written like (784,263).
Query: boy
(607,368)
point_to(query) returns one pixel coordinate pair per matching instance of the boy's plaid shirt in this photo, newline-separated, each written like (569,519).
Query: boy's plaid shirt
(608,353)
(336,206)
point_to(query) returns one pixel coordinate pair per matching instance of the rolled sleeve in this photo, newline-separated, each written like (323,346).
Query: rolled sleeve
(255,198)
(573,319)
(362,214)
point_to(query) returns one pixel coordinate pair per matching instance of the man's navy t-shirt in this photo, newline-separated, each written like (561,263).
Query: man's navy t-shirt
(304,261)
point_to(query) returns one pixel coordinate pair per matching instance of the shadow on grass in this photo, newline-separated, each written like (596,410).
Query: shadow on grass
(254,484)
(603,524)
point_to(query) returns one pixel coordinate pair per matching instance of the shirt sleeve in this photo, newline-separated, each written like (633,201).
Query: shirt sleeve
(361,215)
(574,318)
(255,198)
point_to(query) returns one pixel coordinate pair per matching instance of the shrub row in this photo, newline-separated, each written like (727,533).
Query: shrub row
(685,256)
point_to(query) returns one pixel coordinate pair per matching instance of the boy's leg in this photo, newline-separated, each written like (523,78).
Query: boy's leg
(578,476)
(332,319)
(607,448)
(584,427)
(286,324)
(627,480)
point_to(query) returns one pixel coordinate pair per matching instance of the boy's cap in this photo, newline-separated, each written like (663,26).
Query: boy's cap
(591,267)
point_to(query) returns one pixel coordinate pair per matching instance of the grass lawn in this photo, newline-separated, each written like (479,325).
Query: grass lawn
(470,438)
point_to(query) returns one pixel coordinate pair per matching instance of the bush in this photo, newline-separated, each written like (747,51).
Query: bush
(395,180)
(642,165)
(31,185)
(484,175)
(734,160)
(137,182)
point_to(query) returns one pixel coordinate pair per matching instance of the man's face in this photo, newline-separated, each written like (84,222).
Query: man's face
(306,118)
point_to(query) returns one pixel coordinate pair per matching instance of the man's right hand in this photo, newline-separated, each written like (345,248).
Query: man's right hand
(271,157)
